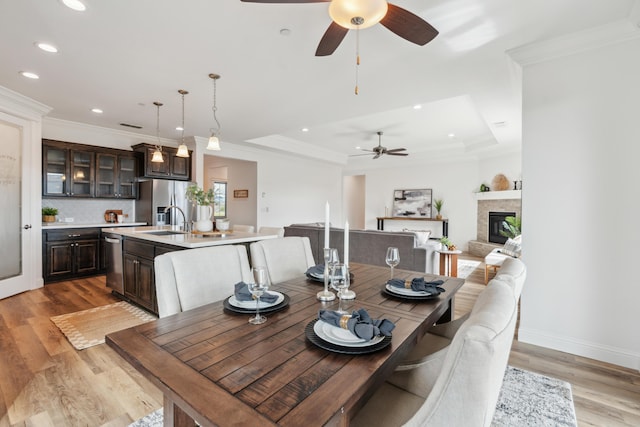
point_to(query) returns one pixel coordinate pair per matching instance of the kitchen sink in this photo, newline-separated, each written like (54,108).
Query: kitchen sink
(164,233)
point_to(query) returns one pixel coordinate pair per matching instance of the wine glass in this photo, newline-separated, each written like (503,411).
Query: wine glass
(257,288)
(340,282)
(330,259)
(393,258)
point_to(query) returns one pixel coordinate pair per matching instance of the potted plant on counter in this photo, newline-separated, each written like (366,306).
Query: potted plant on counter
(49,214)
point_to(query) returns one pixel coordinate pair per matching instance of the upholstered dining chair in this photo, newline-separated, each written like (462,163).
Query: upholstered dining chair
(241,227)
(461,388)
(434,343)
(191,278)
(286,258)
(278,231)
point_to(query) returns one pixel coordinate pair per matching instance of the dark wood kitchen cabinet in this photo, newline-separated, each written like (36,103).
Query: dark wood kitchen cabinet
(139,280)
(173,167)
(70,253)
(67,170)
(116,175)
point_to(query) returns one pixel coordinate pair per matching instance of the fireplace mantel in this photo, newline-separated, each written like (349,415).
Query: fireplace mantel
(499,195)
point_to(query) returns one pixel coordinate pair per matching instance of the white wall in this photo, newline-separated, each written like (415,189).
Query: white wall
(580,170)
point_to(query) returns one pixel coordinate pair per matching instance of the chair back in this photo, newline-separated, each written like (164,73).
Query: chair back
(467,388)
(514,272)
(241,227)
(286,258)
(190,278)
(278,231)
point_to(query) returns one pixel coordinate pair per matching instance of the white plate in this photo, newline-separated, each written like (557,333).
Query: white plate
(343,337)
(405,291)
(252,304)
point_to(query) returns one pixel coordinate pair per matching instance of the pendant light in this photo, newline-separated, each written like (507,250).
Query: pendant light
(157,155)
(183,151)
(214,141)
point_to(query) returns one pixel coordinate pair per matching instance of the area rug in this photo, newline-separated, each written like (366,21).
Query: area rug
(87,328)
(526,399)
(530,399)
(466,267)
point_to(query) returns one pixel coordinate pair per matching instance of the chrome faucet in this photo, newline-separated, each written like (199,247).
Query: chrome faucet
(186,226)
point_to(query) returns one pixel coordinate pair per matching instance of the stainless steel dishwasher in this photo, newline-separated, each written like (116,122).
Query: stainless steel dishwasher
(114,262)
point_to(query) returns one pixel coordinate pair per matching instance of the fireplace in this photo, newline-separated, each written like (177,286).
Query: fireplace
(495,226)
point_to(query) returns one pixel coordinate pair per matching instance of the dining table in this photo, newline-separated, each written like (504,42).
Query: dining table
(214,368)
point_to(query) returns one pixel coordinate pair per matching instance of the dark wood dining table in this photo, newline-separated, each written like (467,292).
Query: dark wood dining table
(214,367)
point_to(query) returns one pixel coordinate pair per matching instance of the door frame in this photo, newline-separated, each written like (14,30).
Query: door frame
(27,114)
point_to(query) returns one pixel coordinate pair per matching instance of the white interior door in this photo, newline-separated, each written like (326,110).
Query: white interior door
(15,227)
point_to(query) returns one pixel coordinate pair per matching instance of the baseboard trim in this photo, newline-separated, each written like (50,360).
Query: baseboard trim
(614,355)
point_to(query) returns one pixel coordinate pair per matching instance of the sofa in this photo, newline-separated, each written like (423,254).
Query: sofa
(370,246)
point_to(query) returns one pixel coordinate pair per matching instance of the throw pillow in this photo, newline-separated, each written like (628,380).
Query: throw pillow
(512,248)
(422,236)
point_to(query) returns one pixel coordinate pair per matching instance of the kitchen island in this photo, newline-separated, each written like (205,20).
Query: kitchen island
(133,278)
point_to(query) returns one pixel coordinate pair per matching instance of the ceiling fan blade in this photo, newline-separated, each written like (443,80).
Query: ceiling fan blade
(357,155)
(377,155)
(408,26)
(396,154)
(396,150)
(331,39)
(286,1)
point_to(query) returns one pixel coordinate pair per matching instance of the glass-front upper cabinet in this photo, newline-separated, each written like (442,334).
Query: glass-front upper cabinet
(66,172)
(56,163)
(116,176)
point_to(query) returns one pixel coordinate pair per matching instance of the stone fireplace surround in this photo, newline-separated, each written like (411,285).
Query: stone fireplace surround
(493,202)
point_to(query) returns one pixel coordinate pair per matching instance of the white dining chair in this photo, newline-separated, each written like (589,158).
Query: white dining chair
(191,278)
(461,388)
(278,231)
(286,258)
(242,227)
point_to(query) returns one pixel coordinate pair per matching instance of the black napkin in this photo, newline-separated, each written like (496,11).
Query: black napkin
(316,271)
(418,284)
(243,293)
(360,323)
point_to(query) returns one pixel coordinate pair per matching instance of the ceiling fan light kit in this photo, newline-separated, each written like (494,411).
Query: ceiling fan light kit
(359,14)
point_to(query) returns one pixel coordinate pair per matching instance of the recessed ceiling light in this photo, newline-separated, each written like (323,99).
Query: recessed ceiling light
(305,129)
(452,135)
(47,47)
(29,75)
(75,5)
(285,32)
(358,147)
(179,128)
(417,107)
(97,110)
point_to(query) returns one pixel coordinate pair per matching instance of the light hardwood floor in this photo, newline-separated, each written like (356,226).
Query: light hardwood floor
(45,382)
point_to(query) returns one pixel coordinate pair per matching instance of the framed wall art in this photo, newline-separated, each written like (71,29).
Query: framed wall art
(240,194)
(412,203)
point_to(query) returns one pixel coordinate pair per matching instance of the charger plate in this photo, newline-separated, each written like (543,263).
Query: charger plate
(344,349)
(269,309)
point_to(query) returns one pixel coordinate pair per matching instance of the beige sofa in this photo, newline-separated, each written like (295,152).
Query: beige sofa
(370,246)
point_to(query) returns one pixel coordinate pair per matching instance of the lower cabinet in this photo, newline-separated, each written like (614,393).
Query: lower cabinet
(71,253)
(139,273)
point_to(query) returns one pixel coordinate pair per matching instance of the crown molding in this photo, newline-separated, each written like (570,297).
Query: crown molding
(593,38)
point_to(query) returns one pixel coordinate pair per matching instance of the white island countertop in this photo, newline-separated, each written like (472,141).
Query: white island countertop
(169,236)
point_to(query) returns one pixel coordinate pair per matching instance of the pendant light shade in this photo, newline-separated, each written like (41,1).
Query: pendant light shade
(157,155)
(214,140)
(183,151)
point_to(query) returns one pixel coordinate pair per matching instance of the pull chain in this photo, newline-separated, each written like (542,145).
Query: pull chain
(357,56)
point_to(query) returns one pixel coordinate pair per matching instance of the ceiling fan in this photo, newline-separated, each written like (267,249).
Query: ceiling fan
(380,150)
(359,14)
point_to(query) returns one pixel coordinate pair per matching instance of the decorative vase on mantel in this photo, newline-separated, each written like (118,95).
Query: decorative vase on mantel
(204,214)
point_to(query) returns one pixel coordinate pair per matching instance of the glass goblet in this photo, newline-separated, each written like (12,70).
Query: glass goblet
(393,258)
(340,281)
(257,288)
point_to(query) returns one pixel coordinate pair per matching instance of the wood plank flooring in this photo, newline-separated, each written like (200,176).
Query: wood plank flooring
(44,381)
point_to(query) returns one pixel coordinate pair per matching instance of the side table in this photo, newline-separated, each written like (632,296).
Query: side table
(449,262)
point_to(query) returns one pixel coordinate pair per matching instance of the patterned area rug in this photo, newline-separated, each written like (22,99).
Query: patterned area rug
(87,328)
(466,267)
(526,399)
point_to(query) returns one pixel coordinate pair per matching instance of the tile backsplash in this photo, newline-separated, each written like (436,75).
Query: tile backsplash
(89,211)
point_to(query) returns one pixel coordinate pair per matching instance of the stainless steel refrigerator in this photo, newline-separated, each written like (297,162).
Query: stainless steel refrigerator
(157,194)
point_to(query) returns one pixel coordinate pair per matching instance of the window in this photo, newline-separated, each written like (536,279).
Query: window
(220,197)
